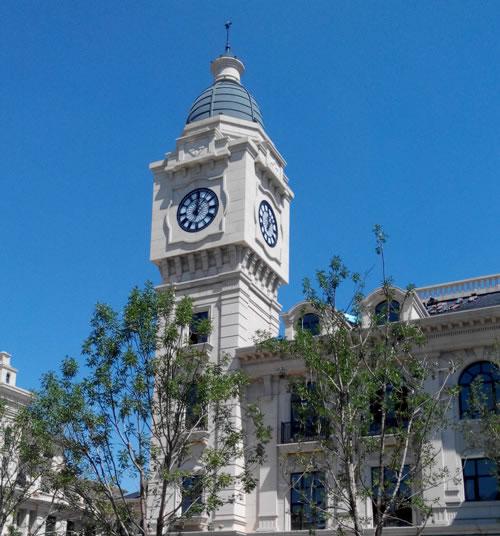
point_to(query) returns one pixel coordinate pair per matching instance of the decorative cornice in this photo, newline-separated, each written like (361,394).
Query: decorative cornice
(198,265)
(461,322)
(436,327)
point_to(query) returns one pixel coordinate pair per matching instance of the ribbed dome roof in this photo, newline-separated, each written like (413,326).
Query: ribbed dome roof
(226,97)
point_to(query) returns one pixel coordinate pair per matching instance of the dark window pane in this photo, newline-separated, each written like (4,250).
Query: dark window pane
(479,389)
(400,515)
(381,312)
(488,488)
(195,337)
(310,322)
(470,494)
(191,495)
(469,467)
(307,501)
(486,467)
(481,480)
(195,417)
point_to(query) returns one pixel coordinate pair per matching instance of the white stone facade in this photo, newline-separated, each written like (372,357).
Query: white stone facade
(230,271)
(40,514)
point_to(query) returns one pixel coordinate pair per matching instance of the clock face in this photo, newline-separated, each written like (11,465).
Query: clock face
(197,210)
(268,225)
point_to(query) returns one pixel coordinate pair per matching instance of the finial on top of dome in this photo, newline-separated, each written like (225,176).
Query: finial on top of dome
(227,66)
(228,46)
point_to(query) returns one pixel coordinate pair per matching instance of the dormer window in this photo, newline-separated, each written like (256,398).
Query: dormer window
(309,322)
(381,314)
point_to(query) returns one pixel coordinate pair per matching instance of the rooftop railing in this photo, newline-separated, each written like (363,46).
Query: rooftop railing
(458,289)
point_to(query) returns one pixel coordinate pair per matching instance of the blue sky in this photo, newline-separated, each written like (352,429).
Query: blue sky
(387,112)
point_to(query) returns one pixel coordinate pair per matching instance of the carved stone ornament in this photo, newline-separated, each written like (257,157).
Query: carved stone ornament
(196,148)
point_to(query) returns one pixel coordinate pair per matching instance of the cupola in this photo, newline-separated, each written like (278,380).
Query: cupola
(226,96)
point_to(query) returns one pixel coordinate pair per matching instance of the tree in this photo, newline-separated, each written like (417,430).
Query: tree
(375,401)
(27,462)
(145,409)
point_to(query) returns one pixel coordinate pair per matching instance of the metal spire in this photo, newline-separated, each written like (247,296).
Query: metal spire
(228,46)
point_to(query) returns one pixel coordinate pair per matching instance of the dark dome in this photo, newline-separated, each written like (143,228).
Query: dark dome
(226,97)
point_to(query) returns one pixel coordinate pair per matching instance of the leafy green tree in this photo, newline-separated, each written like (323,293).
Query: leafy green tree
(152,408)
(27,461)
(375,400)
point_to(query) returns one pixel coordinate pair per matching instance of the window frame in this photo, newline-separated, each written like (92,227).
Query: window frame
(396,520)
(393,421)
(194,337)
(305,508)
(465,388)
(476,478)
(187,500)
(381,313)
(193,411)
(315,328)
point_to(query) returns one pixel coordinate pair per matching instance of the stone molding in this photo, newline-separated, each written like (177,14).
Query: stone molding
(220,260)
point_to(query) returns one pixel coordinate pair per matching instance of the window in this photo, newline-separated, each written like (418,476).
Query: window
(395,404)
(21,479)
(195,417)
(70,528)
(89,530)
(479,389)
(307,501)
(381,314)
(309,322)
(305,423)
(191,501)
(481,480)
(50,525)
(400,514)
(20,518)
(197,335)
(7,377)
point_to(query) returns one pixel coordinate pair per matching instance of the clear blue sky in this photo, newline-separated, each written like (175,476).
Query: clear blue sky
(386,112)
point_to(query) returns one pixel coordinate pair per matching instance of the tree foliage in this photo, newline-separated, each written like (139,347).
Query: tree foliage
(27,462)
(376,400)
(146,408)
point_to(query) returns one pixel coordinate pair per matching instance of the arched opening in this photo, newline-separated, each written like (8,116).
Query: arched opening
(479,389)
(309,322)
(383,315)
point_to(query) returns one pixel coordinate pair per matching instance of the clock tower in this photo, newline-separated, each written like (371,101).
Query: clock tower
(220,226)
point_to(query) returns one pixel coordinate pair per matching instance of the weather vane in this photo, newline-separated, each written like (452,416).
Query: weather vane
(227,25)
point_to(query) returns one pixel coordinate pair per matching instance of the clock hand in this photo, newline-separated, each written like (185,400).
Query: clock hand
(197,208)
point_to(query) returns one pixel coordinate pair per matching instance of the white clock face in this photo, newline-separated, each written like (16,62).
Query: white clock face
(268,224)
(197,210)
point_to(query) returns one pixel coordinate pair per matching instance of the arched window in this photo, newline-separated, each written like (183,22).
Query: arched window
(381,312)
(310,322)
(479,389)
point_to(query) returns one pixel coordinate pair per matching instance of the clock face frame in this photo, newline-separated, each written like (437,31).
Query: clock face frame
(197,210)
(268,224)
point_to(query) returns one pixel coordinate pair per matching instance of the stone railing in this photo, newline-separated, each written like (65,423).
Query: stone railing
(457,289)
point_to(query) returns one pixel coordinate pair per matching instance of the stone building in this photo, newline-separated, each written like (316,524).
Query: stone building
(220,234)
(41,512)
